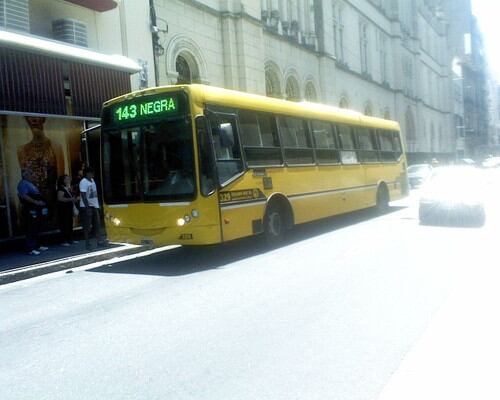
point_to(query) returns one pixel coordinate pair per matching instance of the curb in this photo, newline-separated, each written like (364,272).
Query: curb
(32,271)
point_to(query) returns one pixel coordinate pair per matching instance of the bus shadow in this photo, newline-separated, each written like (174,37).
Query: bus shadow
(190,260)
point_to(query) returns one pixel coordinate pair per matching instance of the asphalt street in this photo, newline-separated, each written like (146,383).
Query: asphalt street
(336,313)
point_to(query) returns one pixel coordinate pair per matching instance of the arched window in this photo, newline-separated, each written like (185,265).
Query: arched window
(273,86)
(433,138)
(310,92)
(184,61)
(292,89)
(182,68)
(410,126)
(343,103)
(187,69)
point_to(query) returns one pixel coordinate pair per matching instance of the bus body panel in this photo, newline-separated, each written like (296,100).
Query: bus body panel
(314,193)
(237,220)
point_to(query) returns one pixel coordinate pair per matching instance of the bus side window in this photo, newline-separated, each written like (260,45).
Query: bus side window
(227,147)
(296,142)
(348,153)
(367,145)
(386,146)
(398,149)
(207,167)
(325,144)
(250,132)
(259,137)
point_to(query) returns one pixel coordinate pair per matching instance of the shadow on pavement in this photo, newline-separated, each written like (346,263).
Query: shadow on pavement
(189,260)
(15,256)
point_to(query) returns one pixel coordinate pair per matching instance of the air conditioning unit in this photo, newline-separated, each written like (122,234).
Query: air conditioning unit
(14,15)
(70,31)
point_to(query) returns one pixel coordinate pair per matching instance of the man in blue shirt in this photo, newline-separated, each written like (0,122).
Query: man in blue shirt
(32,209)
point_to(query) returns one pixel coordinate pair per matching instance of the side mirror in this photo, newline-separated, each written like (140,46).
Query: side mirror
(226,135)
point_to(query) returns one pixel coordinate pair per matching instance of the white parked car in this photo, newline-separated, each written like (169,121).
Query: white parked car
(418,174)
(453,195)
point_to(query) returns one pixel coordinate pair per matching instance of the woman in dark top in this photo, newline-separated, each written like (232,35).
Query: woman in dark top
(65,204)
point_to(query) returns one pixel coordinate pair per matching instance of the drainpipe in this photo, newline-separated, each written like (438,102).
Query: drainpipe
(155,40)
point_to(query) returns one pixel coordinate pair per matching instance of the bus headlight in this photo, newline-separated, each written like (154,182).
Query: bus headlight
(181,222)
(116,221)
(184,220)
(195,213)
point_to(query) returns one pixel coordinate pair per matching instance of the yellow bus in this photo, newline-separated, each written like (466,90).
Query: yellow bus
(195,165)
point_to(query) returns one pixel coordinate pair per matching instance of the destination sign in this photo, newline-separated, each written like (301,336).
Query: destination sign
(144,109)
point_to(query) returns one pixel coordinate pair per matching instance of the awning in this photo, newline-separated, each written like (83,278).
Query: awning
(64,51)
(43,77)
(96,5)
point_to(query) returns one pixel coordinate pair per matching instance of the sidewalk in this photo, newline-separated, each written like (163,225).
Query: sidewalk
(16,265)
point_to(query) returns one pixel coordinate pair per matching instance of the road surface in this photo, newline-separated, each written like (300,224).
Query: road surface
(331,315)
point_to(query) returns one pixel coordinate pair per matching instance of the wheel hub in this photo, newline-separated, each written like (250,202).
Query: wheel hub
(275,224)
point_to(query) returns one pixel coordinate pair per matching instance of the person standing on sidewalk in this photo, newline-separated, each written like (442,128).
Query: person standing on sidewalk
(89,208)
(33,208)
(65,209)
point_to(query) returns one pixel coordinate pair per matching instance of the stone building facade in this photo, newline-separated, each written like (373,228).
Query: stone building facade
(387,58)
(384,58)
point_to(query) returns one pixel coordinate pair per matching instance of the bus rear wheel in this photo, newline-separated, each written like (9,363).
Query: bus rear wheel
(274,226)
(382,204)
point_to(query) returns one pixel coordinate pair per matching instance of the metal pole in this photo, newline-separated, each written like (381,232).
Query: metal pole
(6,183)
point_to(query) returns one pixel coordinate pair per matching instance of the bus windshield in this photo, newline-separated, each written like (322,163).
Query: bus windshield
(149,162)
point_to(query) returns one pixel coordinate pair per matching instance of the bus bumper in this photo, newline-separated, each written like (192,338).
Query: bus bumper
(185,235)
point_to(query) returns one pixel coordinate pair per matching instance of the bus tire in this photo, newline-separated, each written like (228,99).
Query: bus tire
(382,204)
(275,225)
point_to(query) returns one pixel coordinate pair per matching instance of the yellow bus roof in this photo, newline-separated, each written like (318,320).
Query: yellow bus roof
(204,94)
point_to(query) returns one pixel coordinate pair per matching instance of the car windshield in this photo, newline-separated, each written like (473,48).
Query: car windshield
(151,162)
(416,169)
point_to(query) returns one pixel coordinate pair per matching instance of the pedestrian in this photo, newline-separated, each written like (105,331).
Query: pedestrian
(89,208)
(66,209)
(33,208)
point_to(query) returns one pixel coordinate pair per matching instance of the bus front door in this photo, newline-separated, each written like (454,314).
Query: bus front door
(208,202)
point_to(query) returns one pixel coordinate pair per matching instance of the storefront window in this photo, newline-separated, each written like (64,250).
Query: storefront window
(50,147)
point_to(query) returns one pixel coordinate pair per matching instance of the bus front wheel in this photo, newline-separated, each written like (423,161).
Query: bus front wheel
(274,226)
